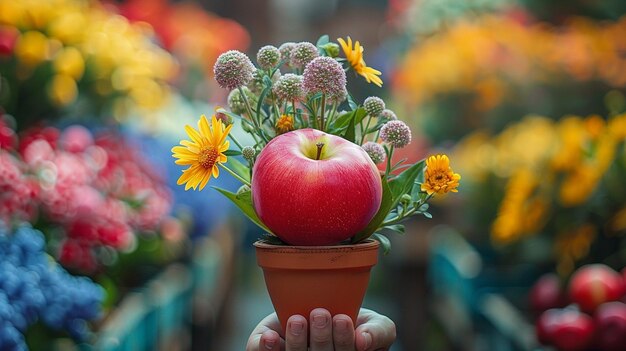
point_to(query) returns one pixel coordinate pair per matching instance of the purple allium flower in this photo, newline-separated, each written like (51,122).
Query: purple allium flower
(303,53)
(374,106)
(396,133)
(388,115)
(268,57)
(324,75)
(285,51)
(233,69)
(375,151)
(289,87)
(338,98)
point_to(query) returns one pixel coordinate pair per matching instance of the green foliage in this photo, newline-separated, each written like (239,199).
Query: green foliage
(244,202)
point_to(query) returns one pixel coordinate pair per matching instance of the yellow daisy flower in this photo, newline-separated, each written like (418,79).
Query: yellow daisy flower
(354,55)
(202,153)
(439,177)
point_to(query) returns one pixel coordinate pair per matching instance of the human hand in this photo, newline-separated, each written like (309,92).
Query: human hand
(373,332)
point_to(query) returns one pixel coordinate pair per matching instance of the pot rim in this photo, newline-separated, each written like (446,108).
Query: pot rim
(363,255)
(365,245)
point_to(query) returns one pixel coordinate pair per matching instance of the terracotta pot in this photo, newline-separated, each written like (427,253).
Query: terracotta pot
(302,278)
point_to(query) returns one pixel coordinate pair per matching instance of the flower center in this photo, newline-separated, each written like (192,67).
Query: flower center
(440,178)
(207,157)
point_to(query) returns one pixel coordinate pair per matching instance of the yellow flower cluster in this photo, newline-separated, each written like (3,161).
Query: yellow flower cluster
(88,46)
(550,169)
(489,54)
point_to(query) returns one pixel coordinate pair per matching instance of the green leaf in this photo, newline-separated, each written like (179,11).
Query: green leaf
(259,104)
(244,202)
(427,215)
(232,152)
(384,242)
(323,40)
(386,205)
(242,170)
(343,120)
(398,228)
(357,117)
(353,105)
(314,97)
(403,183)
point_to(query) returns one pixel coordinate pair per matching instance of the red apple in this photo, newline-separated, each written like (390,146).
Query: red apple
(566,329)
(593,285)
(547,293)
(610,319)
(310,199)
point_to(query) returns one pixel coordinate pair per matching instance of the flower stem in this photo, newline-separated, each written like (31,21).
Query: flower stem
(239,178)
(367,126)
(254,118)
(232,137)
(322,109)
(389,155)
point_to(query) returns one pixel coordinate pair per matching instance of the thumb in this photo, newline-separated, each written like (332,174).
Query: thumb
(378,333)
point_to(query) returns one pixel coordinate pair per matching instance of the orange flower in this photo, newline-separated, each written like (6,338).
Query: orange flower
(439,177)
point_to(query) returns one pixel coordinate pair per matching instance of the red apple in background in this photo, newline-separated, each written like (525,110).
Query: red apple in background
(567,329)
(547,293)
(309,200)
(610,319)
(595,284)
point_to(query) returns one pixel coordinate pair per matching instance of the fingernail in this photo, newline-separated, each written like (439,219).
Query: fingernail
(296,328)
(269,344)
(341,325)
(368,339)
(320,321)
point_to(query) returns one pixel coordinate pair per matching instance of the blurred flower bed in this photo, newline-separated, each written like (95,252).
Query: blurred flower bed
(75,57)
(489,70)
(195,37)
(554,183)
(87,209)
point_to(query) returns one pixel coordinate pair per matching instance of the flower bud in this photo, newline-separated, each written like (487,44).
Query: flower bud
(374,106)
(406,199)
(226,119)
(332,49)
(236,102)
(248,153)
(375,152)
(242,190)
(388,115)
(268,57)
(303,53)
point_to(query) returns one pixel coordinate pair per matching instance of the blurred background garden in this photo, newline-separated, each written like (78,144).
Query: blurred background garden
(101,250)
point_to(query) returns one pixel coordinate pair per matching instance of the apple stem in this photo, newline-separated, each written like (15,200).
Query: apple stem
(319,150)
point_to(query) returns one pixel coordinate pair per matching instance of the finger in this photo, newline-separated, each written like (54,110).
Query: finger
(378,332)
(343,333)
(296,334)
(321,330)
(270,341)
(268,323)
